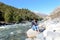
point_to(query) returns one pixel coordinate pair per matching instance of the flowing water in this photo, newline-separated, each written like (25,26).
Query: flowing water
(14,32)
(18,31)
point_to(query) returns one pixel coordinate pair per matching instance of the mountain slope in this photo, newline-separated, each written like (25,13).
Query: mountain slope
(10,14)
(55,13)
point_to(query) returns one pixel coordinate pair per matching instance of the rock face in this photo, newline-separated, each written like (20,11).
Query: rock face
(55,13)
(52,31)
(52,25)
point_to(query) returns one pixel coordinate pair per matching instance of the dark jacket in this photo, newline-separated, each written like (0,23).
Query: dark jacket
(34,23)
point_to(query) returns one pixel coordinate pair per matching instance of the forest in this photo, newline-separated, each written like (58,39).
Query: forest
(10,14)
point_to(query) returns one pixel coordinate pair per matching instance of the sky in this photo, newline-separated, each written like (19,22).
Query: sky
(42,6)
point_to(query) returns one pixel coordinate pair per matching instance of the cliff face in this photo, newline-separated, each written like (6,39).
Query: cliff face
(55,13)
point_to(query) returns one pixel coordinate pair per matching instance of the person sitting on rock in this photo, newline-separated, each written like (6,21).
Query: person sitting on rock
(35,25)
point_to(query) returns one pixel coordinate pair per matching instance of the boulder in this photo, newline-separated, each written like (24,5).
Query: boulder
(31,33)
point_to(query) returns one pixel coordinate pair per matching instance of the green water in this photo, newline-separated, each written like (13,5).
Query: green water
(14,32)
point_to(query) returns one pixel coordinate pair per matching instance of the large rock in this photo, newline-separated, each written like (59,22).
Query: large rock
(52,31)
(31,33)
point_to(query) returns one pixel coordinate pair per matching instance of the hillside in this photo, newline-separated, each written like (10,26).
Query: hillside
(12,14)
(55,13)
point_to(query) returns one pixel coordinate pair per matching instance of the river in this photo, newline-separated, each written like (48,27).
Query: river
(14,32)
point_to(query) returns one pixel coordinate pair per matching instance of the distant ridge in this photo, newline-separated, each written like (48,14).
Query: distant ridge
(40,14)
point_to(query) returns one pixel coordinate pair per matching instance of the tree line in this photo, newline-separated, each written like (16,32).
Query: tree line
(10,14)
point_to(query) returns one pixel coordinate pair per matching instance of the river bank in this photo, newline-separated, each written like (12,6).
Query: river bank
(4,23)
